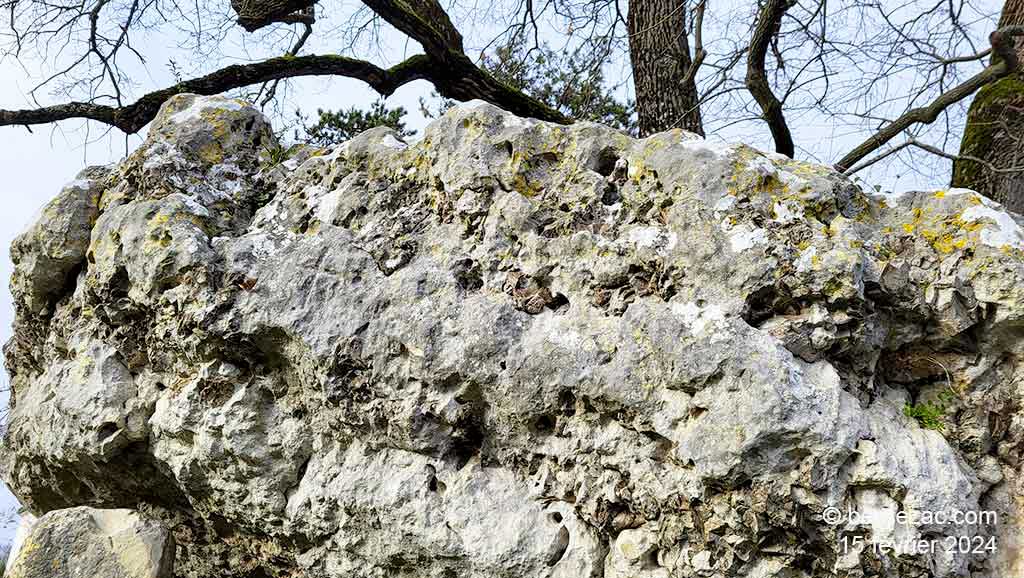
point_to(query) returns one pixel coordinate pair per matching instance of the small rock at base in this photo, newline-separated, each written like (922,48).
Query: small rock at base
(89,542)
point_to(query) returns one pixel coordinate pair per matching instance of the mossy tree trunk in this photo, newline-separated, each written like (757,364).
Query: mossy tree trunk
(995,133)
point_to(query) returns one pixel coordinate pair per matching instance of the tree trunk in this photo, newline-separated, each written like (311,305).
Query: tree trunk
(666,97)
(995,132)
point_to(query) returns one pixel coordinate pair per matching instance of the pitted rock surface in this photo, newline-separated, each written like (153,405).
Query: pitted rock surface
(516,349)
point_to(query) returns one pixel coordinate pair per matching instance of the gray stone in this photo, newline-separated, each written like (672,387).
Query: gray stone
(514,348)
(87,543)
(50,251)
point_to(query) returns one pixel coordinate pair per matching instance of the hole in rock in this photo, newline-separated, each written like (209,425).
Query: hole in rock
(611,195)
(108,430)
(558,303)
(544,424)
(606,160)
(467,274)
(763,304)
(559,546)
(651,560)
(567,401)
(71,280)
(303,467)
(469,439)
(436,485)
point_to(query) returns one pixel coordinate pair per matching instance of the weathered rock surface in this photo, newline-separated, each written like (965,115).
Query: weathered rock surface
(87,543)
(516,349)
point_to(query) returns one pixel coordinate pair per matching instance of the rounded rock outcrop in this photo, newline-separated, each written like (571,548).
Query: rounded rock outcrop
(515,348)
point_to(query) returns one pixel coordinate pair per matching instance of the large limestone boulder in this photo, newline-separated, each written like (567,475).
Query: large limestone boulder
(87,543)
(516,349)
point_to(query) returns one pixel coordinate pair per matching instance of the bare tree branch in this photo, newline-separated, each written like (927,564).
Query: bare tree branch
(766,29)
(699,54)
(935,151)
(307,31)
(425,21)
(255,14)
(453,73)
(445,65)
(1004,63)
(133,117)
